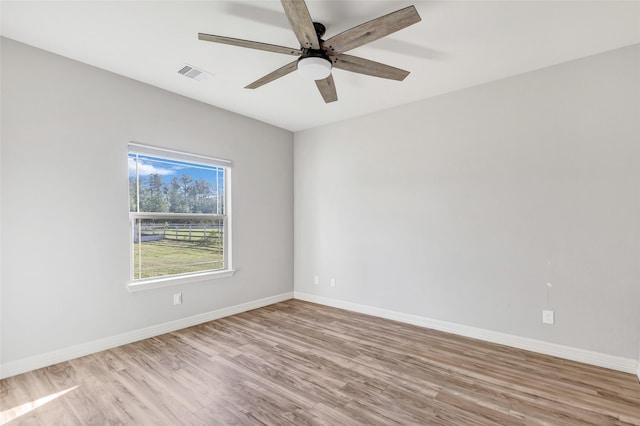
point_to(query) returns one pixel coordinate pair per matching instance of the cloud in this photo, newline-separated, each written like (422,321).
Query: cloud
(146,169)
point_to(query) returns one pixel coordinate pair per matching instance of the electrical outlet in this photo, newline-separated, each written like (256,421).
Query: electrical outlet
(333,282)
(177,299)
(316,279)
(548,317)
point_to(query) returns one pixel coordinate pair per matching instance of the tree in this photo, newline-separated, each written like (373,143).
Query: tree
(154,195)
(176,199)
(133,194)
(203,197)
(181,195)
(186,187)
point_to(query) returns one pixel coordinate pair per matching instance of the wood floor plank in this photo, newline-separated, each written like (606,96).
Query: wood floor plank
(298,363)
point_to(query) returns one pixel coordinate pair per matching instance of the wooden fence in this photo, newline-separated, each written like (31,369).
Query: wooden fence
(178,231)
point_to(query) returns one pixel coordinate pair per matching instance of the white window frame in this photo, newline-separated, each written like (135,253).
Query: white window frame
(135,285)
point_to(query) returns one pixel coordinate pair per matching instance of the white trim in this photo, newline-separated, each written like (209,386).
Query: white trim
(638,371)
(27,364)
(228,222)
(152,283)
(575,354)
(154,151)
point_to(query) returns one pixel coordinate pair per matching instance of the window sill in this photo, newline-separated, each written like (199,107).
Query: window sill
(153,283)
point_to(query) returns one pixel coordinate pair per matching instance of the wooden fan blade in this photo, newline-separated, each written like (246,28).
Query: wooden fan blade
(372,30)
(249,44)
(365,66)
(280,72)
(301,23)
(327,89)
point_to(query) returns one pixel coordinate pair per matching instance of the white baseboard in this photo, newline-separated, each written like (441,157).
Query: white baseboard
(65,354)
(588,357)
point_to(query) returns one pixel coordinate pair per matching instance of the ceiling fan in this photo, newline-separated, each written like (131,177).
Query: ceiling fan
(317,56)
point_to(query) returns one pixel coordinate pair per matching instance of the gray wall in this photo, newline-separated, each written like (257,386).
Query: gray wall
(65,254)
(459,208)
(462,207)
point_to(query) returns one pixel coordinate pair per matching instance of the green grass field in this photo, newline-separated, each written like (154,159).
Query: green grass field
(170,257)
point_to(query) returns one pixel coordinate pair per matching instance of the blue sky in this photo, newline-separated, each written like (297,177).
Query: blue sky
(169,169)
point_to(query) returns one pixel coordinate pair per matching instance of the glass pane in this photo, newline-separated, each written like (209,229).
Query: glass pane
(162,185)
(164,247)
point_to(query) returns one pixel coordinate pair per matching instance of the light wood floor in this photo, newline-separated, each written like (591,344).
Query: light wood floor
(300,363)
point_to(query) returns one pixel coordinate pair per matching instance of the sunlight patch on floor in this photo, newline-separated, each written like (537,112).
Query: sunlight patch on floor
(13,413)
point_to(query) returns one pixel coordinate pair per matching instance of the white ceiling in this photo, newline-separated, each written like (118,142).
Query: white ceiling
(456,45)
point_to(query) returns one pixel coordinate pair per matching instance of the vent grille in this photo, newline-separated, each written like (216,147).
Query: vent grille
(193,73)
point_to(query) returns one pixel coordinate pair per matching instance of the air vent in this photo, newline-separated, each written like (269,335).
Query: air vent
(194,73)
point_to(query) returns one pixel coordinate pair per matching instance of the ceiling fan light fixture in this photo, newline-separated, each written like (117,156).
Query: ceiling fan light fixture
(314,67)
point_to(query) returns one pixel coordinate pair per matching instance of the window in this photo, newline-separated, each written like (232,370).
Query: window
(178,208)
